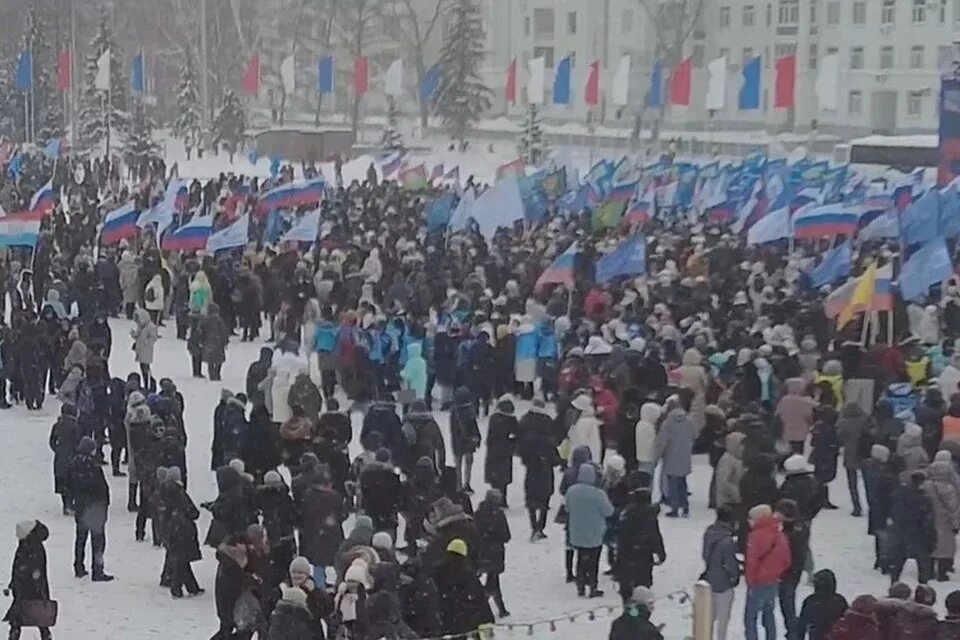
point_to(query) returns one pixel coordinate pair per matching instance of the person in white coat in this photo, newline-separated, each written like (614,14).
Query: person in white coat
(287,365)
(585,432)
(646,436)
(153,298)
(372,269)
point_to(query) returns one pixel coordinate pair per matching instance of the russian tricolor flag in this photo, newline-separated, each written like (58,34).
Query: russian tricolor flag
(562,269)
(291,196)
(192,236)
(826,221)
(44,199)
(240,193)
(903,197)
(437,172)
(20,229)
(120,224)
(622,192)
(392,163)
(640,211)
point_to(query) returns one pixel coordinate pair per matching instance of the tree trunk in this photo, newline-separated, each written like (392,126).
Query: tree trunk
(424,103)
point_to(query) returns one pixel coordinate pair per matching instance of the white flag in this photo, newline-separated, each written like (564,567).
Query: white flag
(288,74)
(828,83)
(393,80)
(102,79)
(717,85)
(535,85)
(233,236)
(305,229)
(620,91)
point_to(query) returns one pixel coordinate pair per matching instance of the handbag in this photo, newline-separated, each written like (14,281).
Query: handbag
(38,613)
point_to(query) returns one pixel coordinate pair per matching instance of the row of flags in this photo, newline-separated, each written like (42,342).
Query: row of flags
(23,79)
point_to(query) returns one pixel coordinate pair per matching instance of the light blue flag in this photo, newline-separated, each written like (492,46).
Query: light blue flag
(231,237)
(771,227)
(24,78)
(464,211)
(431,83)
(305,229)
(886,225)
(655,92)
(920,222)
(837,265)
(440,212)
(325,73)
(749,97)
(949,211)
(499,206)
(561,82)
(273,227)
(929,265)
(138,76)
(629,259)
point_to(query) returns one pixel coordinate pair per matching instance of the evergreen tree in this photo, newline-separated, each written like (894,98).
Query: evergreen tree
(140,146)
(532,144)
(47,105)
(91,122)
(462,97)
(230,123)
(188,125)
(392,138)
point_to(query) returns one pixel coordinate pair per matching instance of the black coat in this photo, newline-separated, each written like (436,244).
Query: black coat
(880,483)
(806,491)
(493,533)
(501,435)
(383,418)
(420,601)
(464,431)
(321,531)
(64,438)
(757,487)
(28,578)
(913,522)
(634,624)
(291,622)
(381,491)
(826,449)
(538,452)
(181,522)
(821,610)
(639,541)
(279,514)
(88,485)
(463,601)
(230,583)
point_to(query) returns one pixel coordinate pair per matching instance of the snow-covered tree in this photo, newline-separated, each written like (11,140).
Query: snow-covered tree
(140,146)
(47,104)
(392,139)
(188,125)
(230,123)
(532,145)
(462,97)
(91,121)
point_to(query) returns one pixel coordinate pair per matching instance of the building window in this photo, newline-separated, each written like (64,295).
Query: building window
(956,11)
(626,21)
(916,57)
(831,51)
(724,17)
(543,23)
(856,57)
(784,49)
(886,57)
(747,55)
(572,23)
(546,53)
(812,62)
(750,15)
(698,54)
(914,104)
(813,11)
(859,12)
(888,13)
(833,12)
(769,14)
(855,103)
(943,11)
(919,12)
(788,12)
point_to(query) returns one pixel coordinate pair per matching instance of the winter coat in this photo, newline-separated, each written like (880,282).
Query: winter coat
(231,511)
(28,577)
(256,374)
(501,435)
(180,531)
(795,412)
(153,294)
(64,438)
(910,449)
(757,486)
(304,394)
(585,432)
(720,557)
(879,484)
(322,513)
(944,496)
(231,581)
(144,336)
(947,629)
(730,471)
(798,535)
(634,624)
(768,553)
(464,431)
(859,622)
(290,621)
(675,443)
(538,453)
(645,433)
(588,508)
(89,490)
(493,534)
(129,278)
(463,601)
(139,435)
(286,367)
(639,544)
(382,417)
(851,430)
(381,492)
(230,431)
(913,522)
(693,377)
(279,515)
(420,600)
(213,336)
(821,610)
(424,438)
(414,373)
(804,489)
(826,449)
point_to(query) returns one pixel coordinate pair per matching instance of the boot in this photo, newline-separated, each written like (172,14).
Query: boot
(79,571)
(132,498)
(501,607)
(569,563)
(595,593)
(100,576)
(943,571)
(14,633)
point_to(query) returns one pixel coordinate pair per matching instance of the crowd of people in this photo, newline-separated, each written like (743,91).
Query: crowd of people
(717,349)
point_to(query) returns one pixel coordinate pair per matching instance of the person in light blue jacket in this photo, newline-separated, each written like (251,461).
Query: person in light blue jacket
(525,357)
(414,373)
(325,344)
(547,355)
(588,508)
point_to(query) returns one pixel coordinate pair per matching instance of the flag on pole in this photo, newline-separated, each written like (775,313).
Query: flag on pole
(64,64)
(514,169)
(191,236)
(562,269)
(828,83)
(437,173)
(537,82)
(749,97)
(20,229)
(717,84)
(511,88)
(453,174)
(393,79)
(305,229)
(102,80)
(681,83)
(361,79)
(431,83)
(620,91)
(655,92)
(413,178)
(138,74)
(119,224)
(862,296)
(24,79)
(235,235)
(288,74)
(785,83)
(561,82)
(251,77)
(325,76)
(591,94)
(628,259)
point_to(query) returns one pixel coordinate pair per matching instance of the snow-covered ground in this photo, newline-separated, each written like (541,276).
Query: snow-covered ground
(134,606)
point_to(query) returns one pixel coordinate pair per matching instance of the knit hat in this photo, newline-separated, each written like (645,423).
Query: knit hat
(880,453)
(24,527)
(383,455)
(505,405)
(293,596)
(382,540)
(795,464)
(615,462)
(925,595)
(643,597)
(458,547)
(952,603)
(788,509)
(943,456)
(363,522)
(301,565)
(913,430)
(272,479)
(161,474)
(175,475)
(87,445)
(359,571)
(758,512)
(68,409)
(900,591)
(237,465)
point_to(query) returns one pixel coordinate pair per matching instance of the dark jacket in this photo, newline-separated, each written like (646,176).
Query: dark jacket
(256,374)
(634,624)
(822,609)
(913,522)
(279,514)
(640,545)
(879,483)
(213,336)
(321,531)
(423,437)
(229,433)
(720,557)
(291,622)
(64,438)
(231,510)
(757,486)
(806,491)
(501,435)
(28,578)
(464,431)
(231,581)
(493,533)
(381,492)
(88,485)
(420,600)
(383,417)
(826,449)
(463,601)
(180,517)
(538,452)
(798,535)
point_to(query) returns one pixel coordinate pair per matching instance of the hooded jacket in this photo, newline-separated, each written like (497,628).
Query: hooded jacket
(720,557)
(730,471)
(585,432)
(414,372)
(588,508)
(768,553)
(821,610)
(795,412)
(675,443)
(645,433)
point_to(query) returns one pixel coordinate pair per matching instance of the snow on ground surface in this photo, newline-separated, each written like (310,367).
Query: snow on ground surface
(134,606)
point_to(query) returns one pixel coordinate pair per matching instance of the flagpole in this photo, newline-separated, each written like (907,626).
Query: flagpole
(26,117)
(106,109)
(73,73)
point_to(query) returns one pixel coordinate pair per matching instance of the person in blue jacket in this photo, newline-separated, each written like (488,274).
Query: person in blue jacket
(325,344)
(525,358)
(588,508)
(414,372)
(547,356)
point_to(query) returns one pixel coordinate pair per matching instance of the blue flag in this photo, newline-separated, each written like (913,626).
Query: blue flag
(655,93)
(52,150)
(274,167)
(750,90)
(949,211)
(629,259)
(928,266)
(533,196)
(138,75)
(439,212)
(920,222)
(273,228)
(837,265)
(24,78)
(431,83)
(325,74)
(561,82)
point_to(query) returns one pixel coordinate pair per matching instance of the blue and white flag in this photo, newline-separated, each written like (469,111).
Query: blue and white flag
(837,265)
(929,265)
(305,229)
(629,259)
(236,235)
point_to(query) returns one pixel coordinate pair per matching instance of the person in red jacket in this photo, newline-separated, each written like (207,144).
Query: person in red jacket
(768,557)
(859,622)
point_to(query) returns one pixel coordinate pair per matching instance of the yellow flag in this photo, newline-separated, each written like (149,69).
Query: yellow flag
(862,297)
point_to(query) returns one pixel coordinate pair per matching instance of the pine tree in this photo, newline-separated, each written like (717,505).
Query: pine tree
(532,144)
(392,138)
(140,146)
(47,105)
(91,123)
(462,97)
(230,123)
(188,125)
